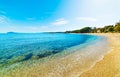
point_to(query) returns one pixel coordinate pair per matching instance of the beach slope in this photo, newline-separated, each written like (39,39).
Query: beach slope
(109,66)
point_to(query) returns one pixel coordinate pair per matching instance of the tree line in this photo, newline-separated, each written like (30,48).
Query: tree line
(106,29)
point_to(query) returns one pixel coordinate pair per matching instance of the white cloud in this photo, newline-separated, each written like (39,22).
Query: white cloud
(87,19)
(3,19)
(60,22)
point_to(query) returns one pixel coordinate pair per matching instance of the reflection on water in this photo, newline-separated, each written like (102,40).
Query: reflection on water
(21,47)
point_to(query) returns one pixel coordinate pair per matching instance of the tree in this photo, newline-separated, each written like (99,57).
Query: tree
(117,24)
(105,29)
(117,27)
(86,30)
(94,30)
(110,29)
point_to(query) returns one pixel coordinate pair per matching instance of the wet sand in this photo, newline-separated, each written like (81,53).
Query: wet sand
(109,66)
(71,65)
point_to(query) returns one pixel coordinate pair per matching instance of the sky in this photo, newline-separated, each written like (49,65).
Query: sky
(56,15)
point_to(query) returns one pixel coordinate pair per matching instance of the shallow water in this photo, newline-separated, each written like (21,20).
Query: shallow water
(49,52)
(40,45)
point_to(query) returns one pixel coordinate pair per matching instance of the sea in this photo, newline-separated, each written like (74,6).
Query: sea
(49,54)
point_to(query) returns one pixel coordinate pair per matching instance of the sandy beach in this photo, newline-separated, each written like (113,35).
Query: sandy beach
(109,66)
(79,59)
(92,61)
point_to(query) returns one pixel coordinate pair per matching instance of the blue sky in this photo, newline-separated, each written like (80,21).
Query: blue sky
(56,15)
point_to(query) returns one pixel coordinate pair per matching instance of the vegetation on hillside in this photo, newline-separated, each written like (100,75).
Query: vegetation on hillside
(105,29)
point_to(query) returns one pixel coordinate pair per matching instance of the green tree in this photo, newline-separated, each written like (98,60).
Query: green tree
(94,30)
(117,24)
(110,29)
(86,30)
(117,27)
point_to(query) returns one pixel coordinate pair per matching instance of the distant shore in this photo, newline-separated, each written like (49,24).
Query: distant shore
(109,66)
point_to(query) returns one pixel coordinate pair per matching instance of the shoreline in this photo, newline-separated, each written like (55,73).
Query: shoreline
(67,66)
(101,57)
(108,66)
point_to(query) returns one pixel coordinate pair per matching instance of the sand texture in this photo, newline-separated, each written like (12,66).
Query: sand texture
(69,65)
(110,65)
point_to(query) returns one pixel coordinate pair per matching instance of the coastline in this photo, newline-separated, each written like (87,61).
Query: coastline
(109,66)
(67,66)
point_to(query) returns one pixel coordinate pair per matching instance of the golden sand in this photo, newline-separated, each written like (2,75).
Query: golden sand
(110,65)
(75,64)
(71,65)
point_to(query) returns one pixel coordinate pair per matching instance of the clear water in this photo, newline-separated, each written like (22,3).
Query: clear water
(21,47)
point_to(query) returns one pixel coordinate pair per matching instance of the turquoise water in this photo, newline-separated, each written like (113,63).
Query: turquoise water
(20,47)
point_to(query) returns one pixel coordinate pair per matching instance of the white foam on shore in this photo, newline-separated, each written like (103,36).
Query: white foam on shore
(72,65)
